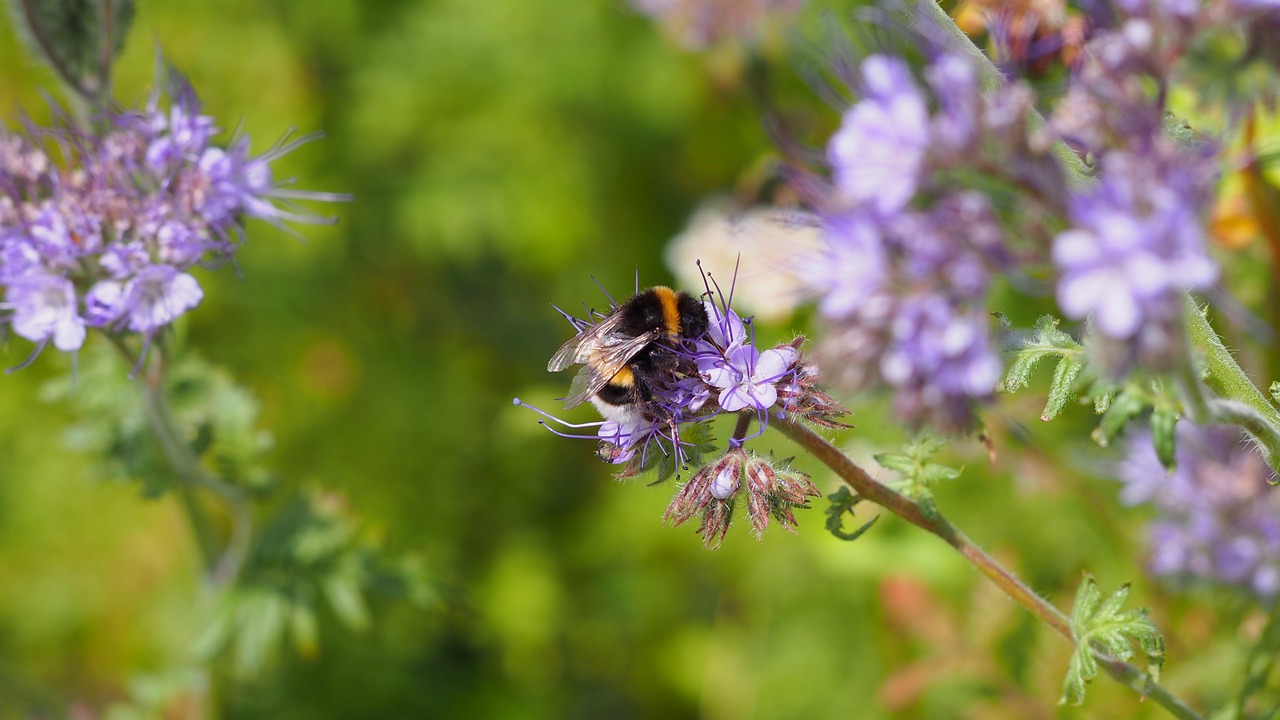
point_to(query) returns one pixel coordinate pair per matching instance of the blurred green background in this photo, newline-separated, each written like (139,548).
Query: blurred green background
(502,153)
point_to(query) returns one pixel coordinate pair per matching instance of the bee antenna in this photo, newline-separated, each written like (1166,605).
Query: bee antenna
(637,279)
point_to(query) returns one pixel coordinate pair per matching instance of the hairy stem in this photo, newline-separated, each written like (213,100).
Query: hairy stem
(1241,403)
(934,523)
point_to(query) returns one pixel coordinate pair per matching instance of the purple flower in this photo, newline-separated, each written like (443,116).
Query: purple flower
(747,377)
(189,132)
(1217,518)
(939,360)
(955,83)
(904,300)
(1136,246)
(157,295)
(878,153)
(44,308)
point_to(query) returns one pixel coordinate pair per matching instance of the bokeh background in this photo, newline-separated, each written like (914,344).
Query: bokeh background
(502,154)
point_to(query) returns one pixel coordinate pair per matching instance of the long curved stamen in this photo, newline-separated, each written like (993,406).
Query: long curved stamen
(520,403)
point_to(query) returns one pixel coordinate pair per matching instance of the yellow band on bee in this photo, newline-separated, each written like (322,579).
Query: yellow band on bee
(670,302)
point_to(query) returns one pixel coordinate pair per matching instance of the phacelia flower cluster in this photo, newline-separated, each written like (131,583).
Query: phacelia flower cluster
(105,235)
(904,303)
(1137,242)
(1135,248)
(902,290)
(1217,518)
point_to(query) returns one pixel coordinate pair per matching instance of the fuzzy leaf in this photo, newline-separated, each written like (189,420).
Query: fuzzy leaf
(1046,341)
(912,462)
(1062,389)
(1103,625)
(1102,401)
(1275,391)
(1163,422)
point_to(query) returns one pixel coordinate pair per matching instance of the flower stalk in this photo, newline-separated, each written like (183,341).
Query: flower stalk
(221,565)
(934,523)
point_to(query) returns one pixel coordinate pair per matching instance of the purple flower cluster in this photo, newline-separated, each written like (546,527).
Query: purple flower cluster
(1217,518)
(1136,246)
(105,237)
(903,290)
(1137,242)
(903,298)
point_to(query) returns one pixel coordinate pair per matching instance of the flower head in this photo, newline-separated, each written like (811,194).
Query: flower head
(106,238)
(878,153)
(1217,518)
(904,300)
(1136,246)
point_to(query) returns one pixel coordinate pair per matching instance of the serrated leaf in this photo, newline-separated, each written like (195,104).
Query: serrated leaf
(1105,626)
(1087,597)
(1275,391)
(1062,388)
(843,501)
(1163,423)
(1046,341)
(896,462)
(912,462)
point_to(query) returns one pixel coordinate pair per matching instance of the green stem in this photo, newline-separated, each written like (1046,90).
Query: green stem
(1241,402)
(934,523)
(221,566)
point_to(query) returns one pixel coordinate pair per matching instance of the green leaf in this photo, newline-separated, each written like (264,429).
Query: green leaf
(918,474)
(1046,341)
(1163,422)
(1124,407)
(260,621)
(79,39)
(1062,388)
(843,501)
(1101,625)
(306,633)
(347,602)
(1275,391)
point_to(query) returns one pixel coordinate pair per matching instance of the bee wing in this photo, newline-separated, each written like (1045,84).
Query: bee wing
(611,355)
(577,349)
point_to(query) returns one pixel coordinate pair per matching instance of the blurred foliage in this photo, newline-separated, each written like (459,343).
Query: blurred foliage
(502,154)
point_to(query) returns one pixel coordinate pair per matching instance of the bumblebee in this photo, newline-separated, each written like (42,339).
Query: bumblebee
(631,351)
